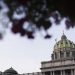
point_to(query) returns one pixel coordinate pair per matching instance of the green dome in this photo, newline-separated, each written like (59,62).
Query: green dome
(64,43)
(10,71)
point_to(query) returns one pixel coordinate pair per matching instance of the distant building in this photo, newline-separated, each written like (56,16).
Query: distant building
(62,62)
(11,71)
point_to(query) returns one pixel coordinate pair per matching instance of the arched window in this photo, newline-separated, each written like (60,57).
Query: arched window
(61,54)
(67,54)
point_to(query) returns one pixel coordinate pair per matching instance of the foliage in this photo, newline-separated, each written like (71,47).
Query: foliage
(37,14)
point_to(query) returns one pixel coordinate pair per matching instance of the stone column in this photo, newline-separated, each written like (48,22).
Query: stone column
(43,73)
(72,72)
(70,54)
(64,54)
(53,72)
(64,72)
(61,72)
(59,55)
(54,55)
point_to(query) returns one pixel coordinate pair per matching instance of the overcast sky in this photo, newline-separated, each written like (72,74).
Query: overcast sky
(25,55)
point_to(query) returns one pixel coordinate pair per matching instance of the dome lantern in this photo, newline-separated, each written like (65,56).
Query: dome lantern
(63,37)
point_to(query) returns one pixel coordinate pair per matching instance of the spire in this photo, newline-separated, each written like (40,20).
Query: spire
(11,67)
(63,32)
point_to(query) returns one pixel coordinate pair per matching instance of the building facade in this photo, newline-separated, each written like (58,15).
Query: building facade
(62,61)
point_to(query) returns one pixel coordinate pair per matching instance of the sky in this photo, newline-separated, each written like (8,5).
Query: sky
(25,55)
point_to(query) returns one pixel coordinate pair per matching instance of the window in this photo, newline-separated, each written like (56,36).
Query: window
(55,55)
(47,73)
(66,43)
(61,54)
(57,44)
(52,56)
(71,45)
(61,43)
(67,54)
(73,54)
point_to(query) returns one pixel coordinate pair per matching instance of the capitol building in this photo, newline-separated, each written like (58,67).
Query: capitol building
(62,60)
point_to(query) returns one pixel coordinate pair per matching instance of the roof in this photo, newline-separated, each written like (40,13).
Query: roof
(10,71)
(64,43)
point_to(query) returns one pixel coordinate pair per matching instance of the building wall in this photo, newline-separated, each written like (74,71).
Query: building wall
(34,73)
